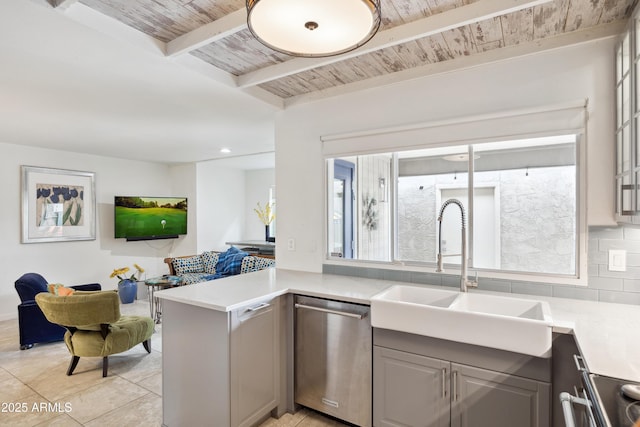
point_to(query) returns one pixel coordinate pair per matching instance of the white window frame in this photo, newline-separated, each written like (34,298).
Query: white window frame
(570,118)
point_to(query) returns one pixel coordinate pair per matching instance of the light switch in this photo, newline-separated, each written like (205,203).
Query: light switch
(617,260)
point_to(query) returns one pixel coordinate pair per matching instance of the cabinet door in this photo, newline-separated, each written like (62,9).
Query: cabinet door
(409,390)
(625,130)
(483,398)
(254,362)
(566,377)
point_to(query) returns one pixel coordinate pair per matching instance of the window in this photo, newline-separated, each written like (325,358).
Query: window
(520,200)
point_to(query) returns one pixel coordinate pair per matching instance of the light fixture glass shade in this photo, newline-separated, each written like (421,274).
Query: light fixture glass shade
(313,28)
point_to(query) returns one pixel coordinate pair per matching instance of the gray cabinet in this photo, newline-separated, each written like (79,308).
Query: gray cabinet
(481,397)
(221,368)
(254,362)
(409,389)
(419,381)
(566,378)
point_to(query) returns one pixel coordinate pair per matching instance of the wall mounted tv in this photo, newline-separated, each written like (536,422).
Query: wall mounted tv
(150,218)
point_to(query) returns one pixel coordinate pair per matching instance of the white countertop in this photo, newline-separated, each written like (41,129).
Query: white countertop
(608,334)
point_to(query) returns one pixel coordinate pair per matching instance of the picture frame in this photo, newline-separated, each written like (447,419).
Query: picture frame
(57,205)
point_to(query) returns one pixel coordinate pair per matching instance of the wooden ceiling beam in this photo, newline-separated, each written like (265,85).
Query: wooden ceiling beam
(62,4)
(209,33)
(434,24)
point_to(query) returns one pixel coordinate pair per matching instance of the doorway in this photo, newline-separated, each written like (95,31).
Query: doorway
(343,209)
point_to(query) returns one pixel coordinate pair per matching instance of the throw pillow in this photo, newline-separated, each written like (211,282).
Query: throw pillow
(254,263)
(192,264)
(210,259)
(58,289)
(230,262)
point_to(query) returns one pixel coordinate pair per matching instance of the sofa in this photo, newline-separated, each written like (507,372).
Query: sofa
(212,265)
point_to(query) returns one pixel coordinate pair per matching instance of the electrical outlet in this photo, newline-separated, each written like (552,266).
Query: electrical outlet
(617,260)
(291,244)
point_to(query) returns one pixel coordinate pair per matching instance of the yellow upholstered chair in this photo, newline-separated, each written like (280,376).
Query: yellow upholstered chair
(94,325)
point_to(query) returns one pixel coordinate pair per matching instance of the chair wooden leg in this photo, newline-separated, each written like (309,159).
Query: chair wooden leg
(73,364)
(105,366)
(147,345)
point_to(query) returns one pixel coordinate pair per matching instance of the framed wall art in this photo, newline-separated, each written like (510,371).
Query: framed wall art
(57,205)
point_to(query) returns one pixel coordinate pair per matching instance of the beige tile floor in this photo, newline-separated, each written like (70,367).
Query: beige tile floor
(35,390)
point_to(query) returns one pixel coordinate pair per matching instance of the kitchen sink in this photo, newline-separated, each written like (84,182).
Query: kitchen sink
(501,306)
(420,296)
(513,324)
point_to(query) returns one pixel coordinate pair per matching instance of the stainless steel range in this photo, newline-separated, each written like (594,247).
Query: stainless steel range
(606,401)
(617,408)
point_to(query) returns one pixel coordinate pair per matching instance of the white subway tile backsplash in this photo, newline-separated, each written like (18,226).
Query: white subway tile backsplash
(629,245)
(620,297)
(612,286)
(631,233)
(630,273)
(616,233)
(598,257)
(397,275)
(426,278)
(530,288)
(603,285)
(495,285)
(633,260)
(631,285)
(606,283)
(575,292)
(451,281)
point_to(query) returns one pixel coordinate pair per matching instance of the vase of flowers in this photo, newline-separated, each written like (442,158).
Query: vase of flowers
(266,215)
(128,284)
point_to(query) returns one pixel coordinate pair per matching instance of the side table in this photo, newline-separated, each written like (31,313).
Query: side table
(156,284)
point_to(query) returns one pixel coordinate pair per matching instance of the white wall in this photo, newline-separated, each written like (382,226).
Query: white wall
(183,183)
(81,261)
(257,185)
(555,77)
(221,206)
(226,197)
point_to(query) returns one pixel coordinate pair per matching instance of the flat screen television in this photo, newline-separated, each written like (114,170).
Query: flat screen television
(150,218)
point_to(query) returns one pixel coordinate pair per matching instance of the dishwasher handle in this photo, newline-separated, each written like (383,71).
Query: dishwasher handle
(358,316)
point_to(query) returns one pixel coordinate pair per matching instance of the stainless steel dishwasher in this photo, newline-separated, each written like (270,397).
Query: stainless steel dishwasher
(333,358)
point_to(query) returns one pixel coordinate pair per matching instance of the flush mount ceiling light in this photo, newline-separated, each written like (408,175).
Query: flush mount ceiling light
(313,28)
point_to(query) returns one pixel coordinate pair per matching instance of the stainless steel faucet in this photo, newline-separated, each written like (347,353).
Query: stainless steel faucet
(464,281)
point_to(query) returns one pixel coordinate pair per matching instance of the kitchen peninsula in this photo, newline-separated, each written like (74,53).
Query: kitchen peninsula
(214,349)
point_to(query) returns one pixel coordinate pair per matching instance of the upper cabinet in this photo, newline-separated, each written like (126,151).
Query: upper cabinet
(627,124)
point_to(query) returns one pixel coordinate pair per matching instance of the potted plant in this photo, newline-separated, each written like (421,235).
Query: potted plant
(128,285)
(266,215)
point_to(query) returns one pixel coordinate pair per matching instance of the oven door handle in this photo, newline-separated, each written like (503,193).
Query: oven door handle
(567,401)
(579,361)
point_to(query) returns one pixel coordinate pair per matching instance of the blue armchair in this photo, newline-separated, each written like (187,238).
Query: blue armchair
(34,327)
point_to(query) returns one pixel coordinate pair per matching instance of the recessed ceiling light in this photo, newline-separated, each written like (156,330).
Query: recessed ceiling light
(225,150)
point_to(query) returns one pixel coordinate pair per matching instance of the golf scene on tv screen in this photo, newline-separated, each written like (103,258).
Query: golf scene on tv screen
(147,218)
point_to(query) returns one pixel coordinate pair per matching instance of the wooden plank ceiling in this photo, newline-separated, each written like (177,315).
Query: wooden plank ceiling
(215,32)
